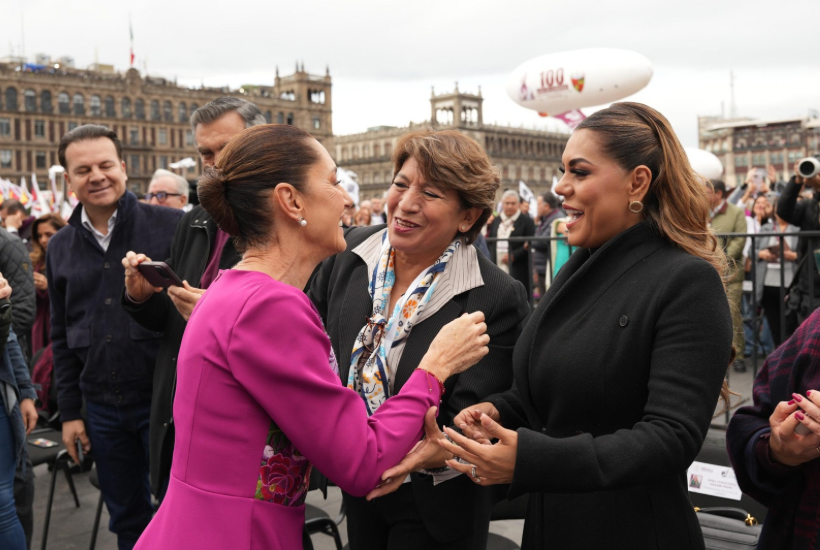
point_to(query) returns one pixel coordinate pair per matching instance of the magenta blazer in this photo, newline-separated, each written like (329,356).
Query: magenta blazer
(258,402)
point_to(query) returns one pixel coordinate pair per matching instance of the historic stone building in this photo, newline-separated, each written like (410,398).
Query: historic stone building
(744,144)
(41,102)
(520,154)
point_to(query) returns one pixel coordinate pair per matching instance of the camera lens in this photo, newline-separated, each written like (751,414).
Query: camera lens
(809,167)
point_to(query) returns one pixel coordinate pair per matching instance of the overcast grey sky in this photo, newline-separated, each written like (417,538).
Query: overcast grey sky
(384,55)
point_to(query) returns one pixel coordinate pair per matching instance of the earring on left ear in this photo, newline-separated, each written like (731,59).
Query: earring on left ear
(302,221)
(636,207)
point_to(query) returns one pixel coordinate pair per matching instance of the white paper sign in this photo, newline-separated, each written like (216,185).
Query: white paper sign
(710,479)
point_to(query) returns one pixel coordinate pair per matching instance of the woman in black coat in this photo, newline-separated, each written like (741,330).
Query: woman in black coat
(442,194)
(618,371)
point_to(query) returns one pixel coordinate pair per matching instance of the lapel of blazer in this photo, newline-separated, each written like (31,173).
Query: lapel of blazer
(611,261)
(358,307)
(421,337)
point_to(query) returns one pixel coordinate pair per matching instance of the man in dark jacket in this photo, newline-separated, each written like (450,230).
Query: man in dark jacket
(198,252)
(15,265)
(100,355)
(511,256)
(548,210)
(805,214)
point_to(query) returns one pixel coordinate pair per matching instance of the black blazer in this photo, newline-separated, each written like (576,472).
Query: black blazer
(524,226)
(339,291)
(190,251)
(617,375)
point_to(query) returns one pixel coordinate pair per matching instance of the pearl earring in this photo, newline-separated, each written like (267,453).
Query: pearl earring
(302,221)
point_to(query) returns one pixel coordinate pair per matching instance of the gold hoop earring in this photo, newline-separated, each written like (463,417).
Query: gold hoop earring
(635,209)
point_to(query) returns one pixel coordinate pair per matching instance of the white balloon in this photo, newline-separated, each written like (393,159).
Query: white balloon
(704,163)
(558,82)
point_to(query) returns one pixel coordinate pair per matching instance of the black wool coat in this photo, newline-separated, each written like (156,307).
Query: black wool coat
(524,226)
(339,289)
(190,250)
(617,375)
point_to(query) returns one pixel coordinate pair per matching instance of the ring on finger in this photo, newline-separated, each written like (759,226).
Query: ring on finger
(474,475)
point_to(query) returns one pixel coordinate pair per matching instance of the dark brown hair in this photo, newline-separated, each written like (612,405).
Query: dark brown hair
(251,165)
(87,132)
(676,204)
(449,159)
(38,253)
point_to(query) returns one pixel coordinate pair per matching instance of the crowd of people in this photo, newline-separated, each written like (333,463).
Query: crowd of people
(389,347)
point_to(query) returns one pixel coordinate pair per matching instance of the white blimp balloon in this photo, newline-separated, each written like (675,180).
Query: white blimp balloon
(557,83)
(704,163)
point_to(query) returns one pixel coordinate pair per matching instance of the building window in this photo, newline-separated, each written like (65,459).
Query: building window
(741,160)
(194,107)
(45,102)
(163,162)
(134,168)
(155,110)
(134,136)
(182,112)
(72,125)
(31,101)
(40,128)
(64,103)
(5,158)
(11,99)
(168,111)
(5,126)
(125,107)
(79,104)
(110,112)
(317,123)
(189,138)
(40,159)
(280,118)
(139,109)
(163,136)
(290,118)
(96,105)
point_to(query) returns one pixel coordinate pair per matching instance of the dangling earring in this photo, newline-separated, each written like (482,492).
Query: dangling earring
(302,221)
(636,207)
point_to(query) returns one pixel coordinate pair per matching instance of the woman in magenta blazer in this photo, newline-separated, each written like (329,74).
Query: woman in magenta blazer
(258,398)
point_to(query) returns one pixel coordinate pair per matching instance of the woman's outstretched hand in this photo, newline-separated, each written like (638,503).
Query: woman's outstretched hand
(425,455)
(487,464)
(469,421)
(459,345)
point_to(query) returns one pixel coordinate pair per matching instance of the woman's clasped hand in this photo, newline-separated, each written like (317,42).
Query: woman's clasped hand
(787,444)
(460,344)
(485,463)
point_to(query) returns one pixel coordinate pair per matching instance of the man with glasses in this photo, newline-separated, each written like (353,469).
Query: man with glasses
(167,189)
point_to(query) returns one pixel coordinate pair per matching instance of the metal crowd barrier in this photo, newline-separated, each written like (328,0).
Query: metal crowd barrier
(807,244)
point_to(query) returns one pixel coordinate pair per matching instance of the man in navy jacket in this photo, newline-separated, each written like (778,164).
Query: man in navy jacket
(101,356)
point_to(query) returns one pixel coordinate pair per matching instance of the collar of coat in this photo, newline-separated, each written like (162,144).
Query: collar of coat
(125,206)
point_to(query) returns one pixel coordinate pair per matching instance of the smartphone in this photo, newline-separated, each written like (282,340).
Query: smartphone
(80,456)
(43,443)
(159,274)
(757,177)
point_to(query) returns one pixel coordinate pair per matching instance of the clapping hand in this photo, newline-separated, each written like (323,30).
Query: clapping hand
(786,445)
(487,464)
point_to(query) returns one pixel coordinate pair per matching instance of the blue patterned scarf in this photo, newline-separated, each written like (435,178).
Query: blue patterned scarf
(369,372)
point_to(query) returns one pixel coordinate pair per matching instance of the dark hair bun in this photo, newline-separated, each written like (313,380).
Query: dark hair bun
(213,196)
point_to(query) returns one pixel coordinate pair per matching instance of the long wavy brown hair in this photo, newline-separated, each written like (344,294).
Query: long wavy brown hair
(676,204)
(38,253)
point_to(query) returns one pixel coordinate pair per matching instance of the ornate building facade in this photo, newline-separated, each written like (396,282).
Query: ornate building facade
(39,103)
(744,144)
(520,154)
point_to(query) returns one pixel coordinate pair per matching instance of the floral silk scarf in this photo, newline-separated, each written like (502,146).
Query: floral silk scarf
(369,372)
